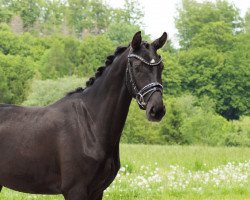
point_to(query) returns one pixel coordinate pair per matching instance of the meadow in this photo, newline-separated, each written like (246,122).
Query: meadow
(154,172)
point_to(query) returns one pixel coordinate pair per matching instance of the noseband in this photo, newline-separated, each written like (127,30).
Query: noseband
(150,89)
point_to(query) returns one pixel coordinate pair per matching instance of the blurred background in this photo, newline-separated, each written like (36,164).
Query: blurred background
(200,150)
(49,47)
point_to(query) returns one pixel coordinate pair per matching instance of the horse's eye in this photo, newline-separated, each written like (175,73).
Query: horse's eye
(136,65)
(147,45)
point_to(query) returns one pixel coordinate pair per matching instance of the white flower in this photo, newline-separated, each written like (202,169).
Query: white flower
(122,169)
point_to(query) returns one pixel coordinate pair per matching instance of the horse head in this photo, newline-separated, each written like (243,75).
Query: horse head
(143,75)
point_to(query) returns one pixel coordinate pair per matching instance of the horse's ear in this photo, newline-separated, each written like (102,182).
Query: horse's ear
(136,42)
(158,43)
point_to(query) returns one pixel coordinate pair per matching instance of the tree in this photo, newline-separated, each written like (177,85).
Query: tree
(92,52)
(99,16)
(53,15)
(88,16)
(215,35)
(16,24)
(45,92)
(5,14)
(17,73)
(247,20)
(29,10)
(71,47)
(223,76)
(4,93)
(173,74)
(133,12)
(233,99)
(214,61)
(139,130)
(121,33)
(77,15)
(9,43)
(55,62)
(192,16)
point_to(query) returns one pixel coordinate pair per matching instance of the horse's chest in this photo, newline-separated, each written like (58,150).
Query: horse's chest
(105,175)
(109,171)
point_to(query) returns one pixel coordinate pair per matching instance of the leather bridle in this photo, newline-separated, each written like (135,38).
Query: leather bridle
(150,89)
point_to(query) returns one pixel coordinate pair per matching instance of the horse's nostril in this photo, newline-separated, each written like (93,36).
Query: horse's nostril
(157,113)
(152,111)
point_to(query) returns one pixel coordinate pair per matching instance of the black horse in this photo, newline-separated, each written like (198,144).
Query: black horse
(72,146)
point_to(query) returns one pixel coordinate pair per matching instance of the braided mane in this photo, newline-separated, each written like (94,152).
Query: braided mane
(100,70)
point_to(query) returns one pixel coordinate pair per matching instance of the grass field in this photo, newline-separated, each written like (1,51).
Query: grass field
(174,172)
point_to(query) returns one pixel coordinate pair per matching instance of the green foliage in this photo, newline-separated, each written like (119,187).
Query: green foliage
(4,93)
(9,43)
(178,111)
(192,17)
(78,17)
(133,13)
(214,35)
(171,125)
(201,66)
(88,16)
(240,135)
(71,53)
(247,20)
(130,15)
(189,120)
(121,34)
(173,74)
(52,18)
(17,73)
(224,77)
(92,52)
(24,45)
(139,130)
(216,56)
(4,27)
(55,63)
(205,128)
(49,91)
(29,11)
(58,56)
(5,15)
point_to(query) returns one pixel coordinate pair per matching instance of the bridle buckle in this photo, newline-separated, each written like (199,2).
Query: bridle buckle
(140,99)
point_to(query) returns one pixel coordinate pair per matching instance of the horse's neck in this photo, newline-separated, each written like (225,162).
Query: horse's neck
(109,101)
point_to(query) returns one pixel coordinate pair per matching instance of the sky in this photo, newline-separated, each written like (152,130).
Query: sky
(159,15)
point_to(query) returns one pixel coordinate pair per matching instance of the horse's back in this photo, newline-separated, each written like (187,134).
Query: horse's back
(28,148)
(6,105)
(21,124)
(4,109)
(39,145)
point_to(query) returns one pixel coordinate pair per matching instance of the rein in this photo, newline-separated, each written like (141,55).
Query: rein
(150,89)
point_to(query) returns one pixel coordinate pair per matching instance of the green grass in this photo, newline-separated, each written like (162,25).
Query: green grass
(174,172)
(186,156)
